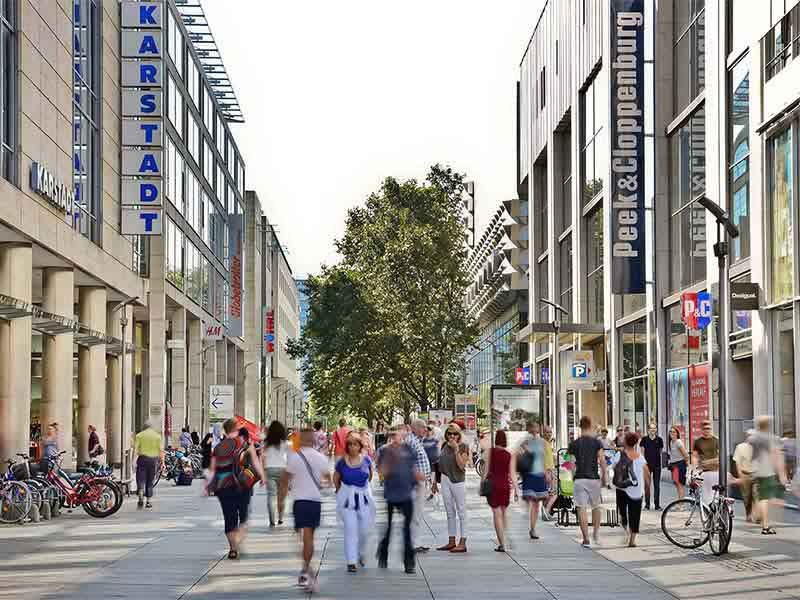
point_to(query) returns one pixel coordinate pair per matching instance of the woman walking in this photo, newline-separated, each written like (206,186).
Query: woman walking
(500,478)
(49,447)
(354,503)
(205,447)
(452,473)
(275,464)
(233,498)
(629,475)
(530,462)
(678,459)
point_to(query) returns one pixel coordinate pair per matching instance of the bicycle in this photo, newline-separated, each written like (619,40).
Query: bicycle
(689,522)
(16,498)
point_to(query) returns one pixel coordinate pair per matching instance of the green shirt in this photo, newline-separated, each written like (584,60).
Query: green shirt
(148,443)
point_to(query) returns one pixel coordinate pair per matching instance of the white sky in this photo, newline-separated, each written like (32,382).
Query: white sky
(339,94)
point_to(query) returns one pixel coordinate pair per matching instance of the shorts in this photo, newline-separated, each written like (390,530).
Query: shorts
(587,493)
(307,514)
(534,486)
(767,488)
(678,472)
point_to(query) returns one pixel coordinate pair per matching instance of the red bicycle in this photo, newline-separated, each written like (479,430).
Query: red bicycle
(96,494)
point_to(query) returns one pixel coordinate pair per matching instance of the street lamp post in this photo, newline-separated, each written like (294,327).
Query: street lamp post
(725,229)
(556,410)
(123,321)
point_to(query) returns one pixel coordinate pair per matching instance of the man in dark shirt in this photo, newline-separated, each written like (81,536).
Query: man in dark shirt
(588,453)
(652,445)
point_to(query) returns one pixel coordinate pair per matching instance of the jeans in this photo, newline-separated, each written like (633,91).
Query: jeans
(630,511)
(146,474)
(407,508)
(655,476)
(455,500)
(235,507)
(274,475)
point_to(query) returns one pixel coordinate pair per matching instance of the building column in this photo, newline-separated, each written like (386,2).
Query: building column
(91,370)
(155,384)
(118,433)
(16,272)
(195,396)
(210,378)
(178,383)
(57,358)
(221,356)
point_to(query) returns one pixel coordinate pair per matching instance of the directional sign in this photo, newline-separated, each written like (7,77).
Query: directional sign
(220,402)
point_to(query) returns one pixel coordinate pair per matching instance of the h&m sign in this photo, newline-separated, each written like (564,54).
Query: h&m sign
(142,116)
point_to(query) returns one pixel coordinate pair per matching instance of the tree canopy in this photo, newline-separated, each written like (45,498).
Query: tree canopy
(387,325)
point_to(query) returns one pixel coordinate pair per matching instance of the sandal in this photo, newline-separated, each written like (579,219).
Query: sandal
(233,555)
(768,531)
(500,548)
(351,569)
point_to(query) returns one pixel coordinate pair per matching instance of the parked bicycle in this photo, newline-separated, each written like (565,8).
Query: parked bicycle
(690,522)
(15,499)
(99,495)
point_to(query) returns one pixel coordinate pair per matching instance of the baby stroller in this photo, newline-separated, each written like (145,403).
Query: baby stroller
(564,506)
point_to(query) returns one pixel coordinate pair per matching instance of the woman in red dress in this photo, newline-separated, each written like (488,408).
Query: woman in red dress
(498,472)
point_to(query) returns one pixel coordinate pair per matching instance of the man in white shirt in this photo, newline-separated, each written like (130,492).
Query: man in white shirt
(306,471)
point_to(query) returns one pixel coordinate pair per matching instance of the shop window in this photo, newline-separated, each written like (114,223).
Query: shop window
(593,145)
(689,50)
(634,348)
(688,219)
(566,181)
(595,294)
(739,157)
(785,408)
(8,82)
(781,216)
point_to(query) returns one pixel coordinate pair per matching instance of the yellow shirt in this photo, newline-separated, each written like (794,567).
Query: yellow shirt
(548,456)
(148,443)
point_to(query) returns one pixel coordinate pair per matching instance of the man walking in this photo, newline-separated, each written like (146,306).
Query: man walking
(398,465)
(306,471)
(588,453)
(149,457)
(339,445)
(652,447)
(769,474)
(415,435)
(705,454)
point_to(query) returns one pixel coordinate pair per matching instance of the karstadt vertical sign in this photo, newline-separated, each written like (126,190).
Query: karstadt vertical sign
(626,78)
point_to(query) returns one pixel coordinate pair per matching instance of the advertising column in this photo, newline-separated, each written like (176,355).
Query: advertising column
(142,117)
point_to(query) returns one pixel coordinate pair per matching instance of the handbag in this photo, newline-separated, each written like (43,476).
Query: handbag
(486,488)
(247,476)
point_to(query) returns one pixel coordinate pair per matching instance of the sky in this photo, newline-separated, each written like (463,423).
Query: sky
(339,95)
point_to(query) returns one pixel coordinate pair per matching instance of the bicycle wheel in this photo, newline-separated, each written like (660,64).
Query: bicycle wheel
(719,533)
(480,467)
(15,502)
(682,524)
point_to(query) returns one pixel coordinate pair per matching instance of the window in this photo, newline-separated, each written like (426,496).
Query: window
(208,162)
(739,157)
(208,111)
(634,364)
(193,82)
(192,137)
(175,42)
(542,290)
(240,176)
(689,51)
(781,216)
(220,138)
(780,44)
(174,249)
(542,88)
(556,57)
(541,223)
(688,219)
(566,182)
(593,149)
(786,410)
(175,175)
(595,297)
(8,82)
(175,111)
(221,184)
(565,276)
(86,108)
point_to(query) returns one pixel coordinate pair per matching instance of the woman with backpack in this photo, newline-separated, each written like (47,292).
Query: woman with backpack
(629,476)
(530,462)
(224,481)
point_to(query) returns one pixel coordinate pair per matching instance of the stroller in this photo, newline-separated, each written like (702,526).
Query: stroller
(564,506)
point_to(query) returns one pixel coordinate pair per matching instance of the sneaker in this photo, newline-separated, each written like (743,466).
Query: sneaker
(411,571)
(421,549)
(352,569)
(148,505)
(140,504)
(586,544)
(303,580)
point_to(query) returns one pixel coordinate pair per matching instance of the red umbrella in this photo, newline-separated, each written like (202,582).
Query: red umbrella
(252,428)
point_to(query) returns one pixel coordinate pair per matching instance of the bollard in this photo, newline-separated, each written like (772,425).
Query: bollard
(34,513)
(46,516)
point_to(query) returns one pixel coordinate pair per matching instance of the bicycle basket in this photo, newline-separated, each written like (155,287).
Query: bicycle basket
(21,471)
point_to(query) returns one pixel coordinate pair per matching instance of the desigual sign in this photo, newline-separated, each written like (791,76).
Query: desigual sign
(142,117)
(55,191)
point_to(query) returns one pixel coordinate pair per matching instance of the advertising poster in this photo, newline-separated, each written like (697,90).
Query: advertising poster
(699,409)
(514,406)
(466,412)
(678,400)
(440,417)
(236,240)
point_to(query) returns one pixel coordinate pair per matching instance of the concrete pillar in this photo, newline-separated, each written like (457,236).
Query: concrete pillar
(178,373)
(156,338)
(16,271)
(194,359)
(114,408)
(91,370)
(221,356)
(57,357)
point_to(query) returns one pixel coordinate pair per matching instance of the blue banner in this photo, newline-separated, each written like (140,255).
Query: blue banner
(626,77)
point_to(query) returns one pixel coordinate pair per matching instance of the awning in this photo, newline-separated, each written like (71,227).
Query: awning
(14,308)
(541,332)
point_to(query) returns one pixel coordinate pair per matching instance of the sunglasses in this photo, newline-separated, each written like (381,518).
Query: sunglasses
(449,433)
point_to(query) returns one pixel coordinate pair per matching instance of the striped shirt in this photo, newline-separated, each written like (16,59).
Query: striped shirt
(422,463)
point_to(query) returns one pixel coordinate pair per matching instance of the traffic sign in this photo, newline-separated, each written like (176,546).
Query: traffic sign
(220,402)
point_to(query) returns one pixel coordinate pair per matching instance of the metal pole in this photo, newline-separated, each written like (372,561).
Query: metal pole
(203,389)
(124,324)
(555,380)
(722,263)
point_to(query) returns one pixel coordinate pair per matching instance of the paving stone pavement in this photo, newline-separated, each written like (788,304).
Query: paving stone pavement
(177,551)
